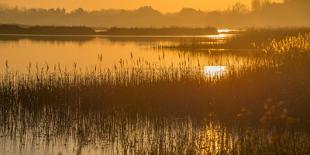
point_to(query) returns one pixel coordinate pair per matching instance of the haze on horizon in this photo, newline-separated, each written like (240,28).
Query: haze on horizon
(259,13)
(161,5)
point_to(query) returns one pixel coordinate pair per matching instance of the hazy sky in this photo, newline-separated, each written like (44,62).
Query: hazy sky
(162,5)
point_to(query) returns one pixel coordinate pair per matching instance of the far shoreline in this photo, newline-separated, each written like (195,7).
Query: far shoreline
(16,30)
(112,36)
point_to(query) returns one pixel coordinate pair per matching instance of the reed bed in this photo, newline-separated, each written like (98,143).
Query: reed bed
(289,45)
(252,39)
(261,108)
(143,87)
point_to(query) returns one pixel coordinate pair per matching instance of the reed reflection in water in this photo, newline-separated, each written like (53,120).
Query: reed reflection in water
(145,135)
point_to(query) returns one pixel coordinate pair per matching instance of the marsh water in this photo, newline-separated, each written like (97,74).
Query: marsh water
(71,121)
(108,51)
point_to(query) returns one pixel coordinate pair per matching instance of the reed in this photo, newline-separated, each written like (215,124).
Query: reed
(289,45)
(252,39)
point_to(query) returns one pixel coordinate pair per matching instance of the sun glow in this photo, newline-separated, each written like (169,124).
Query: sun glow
(161,5)
(218,36)
(223,30)
(214,71)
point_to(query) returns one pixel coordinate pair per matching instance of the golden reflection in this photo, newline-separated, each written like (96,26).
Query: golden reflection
(223,30)
(214,139)
(218,36)
(214,71)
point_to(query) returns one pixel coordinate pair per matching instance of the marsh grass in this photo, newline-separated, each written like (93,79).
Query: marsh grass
(252,39)
(289,45)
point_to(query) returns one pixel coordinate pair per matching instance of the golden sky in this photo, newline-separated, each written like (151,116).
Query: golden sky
(161,5)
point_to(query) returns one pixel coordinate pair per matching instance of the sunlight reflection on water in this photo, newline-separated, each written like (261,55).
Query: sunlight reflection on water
(214,71)
(217,36)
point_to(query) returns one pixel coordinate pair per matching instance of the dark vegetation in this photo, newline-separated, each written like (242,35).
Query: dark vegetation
(266,13)
(161,31)
(47,38)
(75,30)
(46,30)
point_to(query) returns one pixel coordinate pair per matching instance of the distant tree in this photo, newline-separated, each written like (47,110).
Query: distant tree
(239,8)
(3,6)
(79,11)
(256,5)
(266,3)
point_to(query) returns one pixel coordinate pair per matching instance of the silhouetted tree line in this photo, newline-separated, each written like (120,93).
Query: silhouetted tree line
(79,30)
(160,31)
(263,13)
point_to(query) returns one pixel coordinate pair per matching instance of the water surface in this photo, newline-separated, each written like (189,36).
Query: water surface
(24,51)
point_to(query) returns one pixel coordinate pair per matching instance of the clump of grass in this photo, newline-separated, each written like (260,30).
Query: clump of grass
(290,44)
(250,38)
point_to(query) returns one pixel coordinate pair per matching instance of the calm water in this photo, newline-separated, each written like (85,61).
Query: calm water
(106,52)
